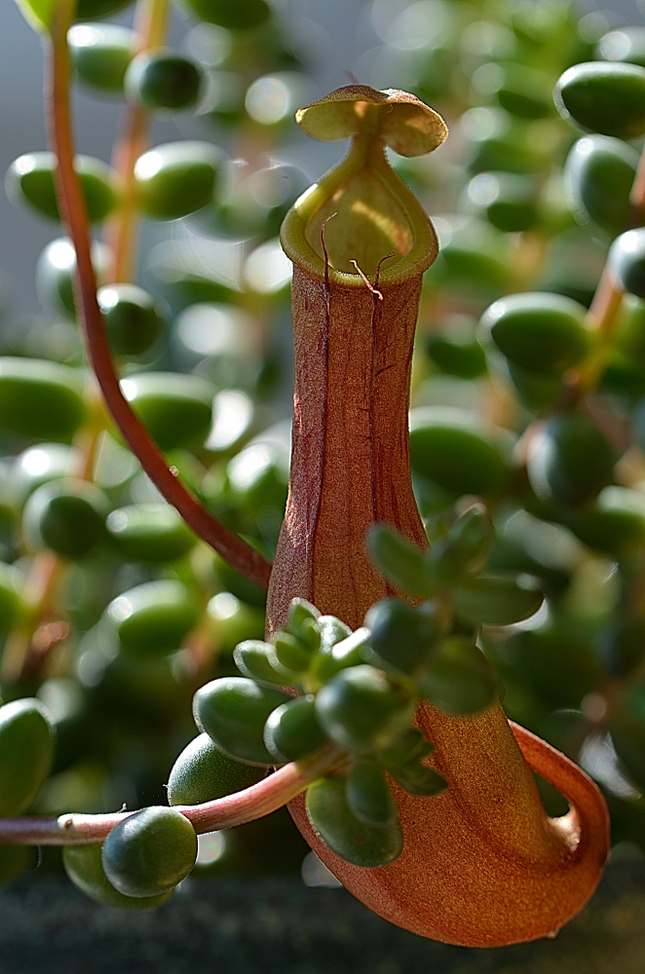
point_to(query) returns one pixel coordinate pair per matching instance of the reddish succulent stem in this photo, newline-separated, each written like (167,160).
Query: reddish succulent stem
(244,558)
(261,799)
(604,309)
(601,318)
(121,230)
(42,580)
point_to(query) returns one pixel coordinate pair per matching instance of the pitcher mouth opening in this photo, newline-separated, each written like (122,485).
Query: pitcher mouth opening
(366,214)
(362,223)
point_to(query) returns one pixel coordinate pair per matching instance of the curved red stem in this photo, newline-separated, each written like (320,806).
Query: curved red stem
(236,551)
(252,803)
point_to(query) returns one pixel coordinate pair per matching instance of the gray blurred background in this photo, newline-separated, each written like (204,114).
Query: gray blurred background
(340,31)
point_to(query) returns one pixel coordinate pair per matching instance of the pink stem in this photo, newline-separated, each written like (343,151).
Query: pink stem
(261,799)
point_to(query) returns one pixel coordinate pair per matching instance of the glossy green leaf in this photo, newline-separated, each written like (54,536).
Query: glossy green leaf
(417,779)
(26,753)
(292,730)
(350,650)
(132,318)
(290,653)
(39,464)
(472,253)
(627,260)
(558,660)
(614,524)
(463,550)
(230,14)
(233,712)
(538,331)
(451,448)
(38,13)
(176,409)
(67,517)
(351,839)
(471,537)
(629,346)
(400,561)
(202,773)
(497,599)
(100,54)
(332,631)
(454,350)
(149,852)
(604,97)
(31,179)
(150,532)
(410,746)
(403,637)
(362,710)
(153,618)
(176,179)
(163,81)
(536,390)
(55,272)
(461,680)
(507,200)
(39,398)
(569,460)
(369,796)
(253,659)
(84,867)
(598,175)
(302,615)
(525,92)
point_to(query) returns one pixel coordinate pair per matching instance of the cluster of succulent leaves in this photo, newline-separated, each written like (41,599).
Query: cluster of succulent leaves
(525,486)
(317,683)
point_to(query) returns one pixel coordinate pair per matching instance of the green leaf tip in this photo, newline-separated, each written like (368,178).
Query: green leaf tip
(39,13)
